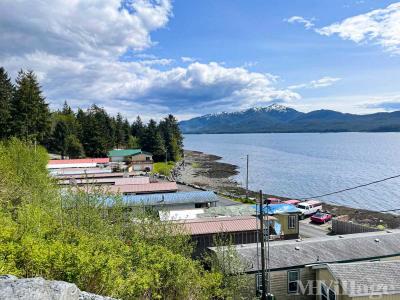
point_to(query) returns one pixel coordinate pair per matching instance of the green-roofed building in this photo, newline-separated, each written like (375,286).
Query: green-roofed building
(137,159)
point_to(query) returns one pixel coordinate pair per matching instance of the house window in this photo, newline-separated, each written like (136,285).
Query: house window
(293,281)
(148,158)
(259,282)
(327,293)
(292,222)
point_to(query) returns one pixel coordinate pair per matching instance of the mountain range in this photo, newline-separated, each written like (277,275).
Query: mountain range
(279,118)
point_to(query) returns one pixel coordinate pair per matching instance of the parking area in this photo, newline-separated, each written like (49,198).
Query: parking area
(309,229)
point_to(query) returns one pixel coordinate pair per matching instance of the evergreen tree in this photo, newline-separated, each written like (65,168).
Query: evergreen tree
(153,142)
(60,134)
(29,110)
(97,132)
(138,129)
(73,147)
(6,93)
(172,136)
(67,110)
(133,142)
(126,128)
(120,140)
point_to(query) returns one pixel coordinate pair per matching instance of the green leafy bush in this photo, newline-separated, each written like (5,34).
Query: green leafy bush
(90,239)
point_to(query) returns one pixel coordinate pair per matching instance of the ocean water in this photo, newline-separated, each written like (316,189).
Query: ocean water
(303,165)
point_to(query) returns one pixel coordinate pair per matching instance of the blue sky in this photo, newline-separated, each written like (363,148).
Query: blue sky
(192,57)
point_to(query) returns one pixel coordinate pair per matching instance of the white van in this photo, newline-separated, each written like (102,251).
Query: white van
(310,207)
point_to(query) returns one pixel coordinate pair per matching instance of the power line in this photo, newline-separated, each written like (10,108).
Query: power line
(352,188)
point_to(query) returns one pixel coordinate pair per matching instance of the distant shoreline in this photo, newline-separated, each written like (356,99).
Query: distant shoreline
(208,172)
(277,132)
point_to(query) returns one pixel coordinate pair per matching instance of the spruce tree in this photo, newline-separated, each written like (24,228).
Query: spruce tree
(6,93)
(153,142)
(138,129)
(172,136)
(60,134)
(98,134)
(29,110)
(73,147)
(120,140)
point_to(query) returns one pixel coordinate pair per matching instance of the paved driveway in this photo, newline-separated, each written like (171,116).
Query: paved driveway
(310,230)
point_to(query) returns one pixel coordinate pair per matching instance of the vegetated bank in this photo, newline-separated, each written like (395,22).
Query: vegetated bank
(205,170)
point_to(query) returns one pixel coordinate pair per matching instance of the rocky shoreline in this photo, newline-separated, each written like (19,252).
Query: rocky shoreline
(208,172)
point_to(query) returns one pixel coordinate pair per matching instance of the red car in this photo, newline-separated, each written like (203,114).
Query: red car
(320,217)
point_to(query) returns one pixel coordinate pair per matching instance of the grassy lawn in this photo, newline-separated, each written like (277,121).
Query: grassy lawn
(163,168)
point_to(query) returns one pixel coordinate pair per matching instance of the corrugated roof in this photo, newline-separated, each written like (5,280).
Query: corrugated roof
(96,175)
(112,180)
(126,152)
(79,161)
(170,198)
(183,214)
(145,188)
(229,211)
(368,278)
(281,208)
(219,225)
(334,249)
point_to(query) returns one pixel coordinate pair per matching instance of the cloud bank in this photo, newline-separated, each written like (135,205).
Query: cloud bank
(79,51)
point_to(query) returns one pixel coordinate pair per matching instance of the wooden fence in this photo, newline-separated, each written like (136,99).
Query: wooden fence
(345,227)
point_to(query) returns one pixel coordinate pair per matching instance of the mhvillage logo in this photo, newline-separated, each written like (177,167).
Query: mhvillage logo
(330,289)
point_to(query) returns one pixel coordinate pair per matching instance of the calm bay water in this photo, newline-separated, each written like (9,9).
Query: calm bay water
(308,164)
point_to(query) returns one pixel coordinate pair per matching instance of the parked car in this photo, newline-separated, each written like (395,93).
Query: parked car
(309,208)
(292,201)
(321,217)
(272,200)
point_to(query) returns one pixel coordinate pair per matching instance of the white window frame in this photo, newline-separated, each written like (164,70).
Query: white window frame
(292,221)
(328,292)
(291,281)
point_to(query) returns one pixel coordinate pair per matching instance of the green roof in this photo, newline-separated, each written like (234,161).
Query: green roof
(125,152)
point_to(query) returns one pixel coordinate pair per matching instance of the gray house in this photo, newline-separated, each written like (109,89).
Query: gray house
(294,263)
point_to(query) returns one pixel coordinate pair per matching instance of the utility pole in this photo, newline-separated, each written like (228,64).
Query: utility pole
(247,176)
(261,216)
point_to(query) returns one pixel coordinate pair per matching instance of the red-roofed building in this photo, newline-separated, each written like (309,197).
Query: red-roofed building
(76,163)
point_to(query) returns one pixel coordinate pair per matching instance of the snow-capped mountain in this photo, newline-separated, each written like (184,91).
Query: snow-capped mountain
(279,118)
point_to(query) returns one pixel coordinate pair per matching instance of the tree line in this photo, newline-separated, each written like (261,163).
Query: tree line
(25,114)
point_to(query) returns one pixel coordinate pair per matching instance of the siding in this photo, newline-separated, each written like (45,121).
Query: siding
(279,284)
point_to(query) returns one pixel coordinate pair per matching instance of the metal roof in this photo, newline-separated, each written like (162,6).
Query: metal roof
(280,208)
(229,211)
(183,214)
(170,198)
(332,249)
(220,225)
(79,161)
(112,180)
(96,175)
(368,278)
(126,152)
(144,188)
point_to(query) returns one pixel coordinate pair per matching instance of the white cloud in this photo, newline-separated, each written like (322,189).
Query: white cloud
(79,27)
(314,84)
(157,61)
(84,52)
(381,26)
(308,24)
(187,59)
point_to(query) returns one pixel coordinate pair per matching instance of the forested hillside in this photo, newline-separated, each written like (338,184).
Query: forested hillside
(25,114)
(278,118)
